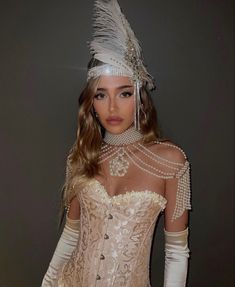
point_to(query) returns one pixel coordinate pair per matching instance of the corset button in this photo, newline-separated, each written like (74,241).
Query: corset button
(98,277)
(106,236)
(102,256)
(110,216)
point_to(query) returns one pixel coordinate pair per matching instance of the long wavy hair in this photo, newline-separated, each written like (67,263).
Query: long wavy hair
(82,161)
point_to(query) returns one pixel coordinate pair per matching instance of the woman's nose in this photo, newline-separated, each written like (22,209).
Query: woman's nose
(112,104)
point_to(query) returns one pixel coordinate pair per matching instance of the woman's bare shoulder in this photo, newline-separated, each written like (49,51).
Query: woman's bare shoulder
(168,150)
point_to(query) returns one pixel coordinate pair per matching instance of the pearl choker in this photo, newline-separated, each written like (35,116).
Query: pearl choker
(129,136)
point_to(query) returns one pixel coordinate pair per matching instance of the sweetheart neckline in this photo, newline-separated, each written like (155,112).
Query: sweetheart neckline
(127,193)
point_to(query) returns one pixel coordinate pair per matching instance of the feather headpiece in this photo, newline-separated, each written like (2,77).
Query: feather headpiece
(116,46)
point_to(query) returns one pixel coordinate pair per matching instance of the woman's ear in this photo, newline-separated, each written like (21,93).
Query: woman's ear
(93,111)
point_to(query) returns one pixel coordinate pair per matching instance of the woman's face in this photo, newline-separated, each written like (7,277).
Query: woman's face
(114,103)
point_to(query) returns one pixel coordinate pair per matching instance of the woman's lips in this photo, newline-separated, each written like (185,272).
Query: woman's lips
(114,120)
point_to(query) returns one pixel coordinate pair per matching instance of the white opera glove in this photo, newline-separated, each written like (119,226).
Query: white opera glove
(176,258)
(63,252)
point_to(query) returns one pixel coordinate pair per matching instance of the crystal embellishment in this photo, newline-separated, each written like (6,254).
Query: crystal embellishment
(118,166)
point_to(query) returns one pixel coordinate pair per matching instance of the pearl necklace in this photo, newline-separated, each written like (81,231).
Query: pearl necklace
(119,165)
(118,150)
(129,136)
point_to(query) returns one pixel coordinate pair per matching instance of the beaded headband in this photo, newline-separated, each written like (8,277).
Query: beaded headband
(115,45)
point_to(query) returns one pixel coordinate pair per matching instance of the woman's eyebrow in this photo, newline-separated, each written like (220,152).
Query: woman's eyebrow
(124,87)
(118,88)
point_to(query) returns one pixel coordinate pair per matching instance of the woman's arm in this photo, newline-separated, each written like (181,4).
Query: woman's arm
(65,246)
(74,209)
(177,193)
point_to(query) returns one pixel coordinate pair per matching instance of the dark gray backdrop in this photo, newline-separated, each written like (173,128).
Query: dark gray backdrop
(188,46)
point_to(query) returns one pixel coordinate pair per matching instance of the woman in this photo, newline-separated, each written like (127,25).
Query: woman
(120,174)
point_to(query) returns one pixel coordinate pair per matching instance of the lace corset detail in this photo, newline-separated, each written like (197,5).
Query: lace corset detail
(128,196)
(115,238)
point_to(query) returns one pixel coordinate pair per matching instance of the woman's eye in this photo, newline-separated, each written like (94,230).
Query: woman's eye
(126,94)
(99,96)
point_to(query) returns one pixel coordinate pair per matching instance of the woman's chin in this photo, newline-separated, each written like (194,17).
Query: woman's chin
(117,129)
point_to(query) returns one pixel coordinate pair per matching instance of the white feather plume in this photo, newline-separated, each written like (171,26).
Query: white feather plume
(113,38)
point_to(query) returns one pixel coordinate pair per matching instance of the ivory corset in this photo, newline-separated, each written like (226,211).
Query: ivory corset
(118,213)
(115,238)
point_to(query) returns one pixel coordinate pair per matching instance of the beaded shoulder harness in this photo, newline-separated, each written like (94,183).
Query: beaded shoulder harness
(121,155)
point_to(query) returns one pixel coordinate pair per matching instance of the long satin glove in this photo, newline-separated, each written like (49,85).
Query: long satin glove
(63,251)
(176,258)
